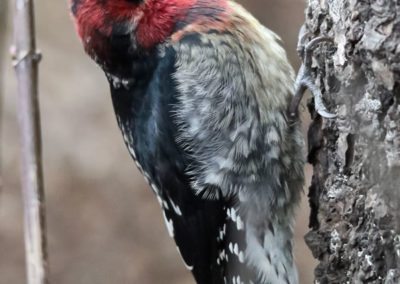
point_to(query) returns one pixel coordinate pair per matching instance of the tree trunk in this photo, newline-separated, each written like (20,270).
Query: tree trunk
(354,195)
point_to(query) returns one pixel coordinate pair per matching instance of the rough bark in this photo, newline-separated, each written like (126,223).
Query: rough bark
(354,193)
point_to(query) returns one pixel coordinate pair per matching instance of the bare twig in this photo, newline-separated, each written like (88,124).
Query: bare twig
(3,29)
(26,61)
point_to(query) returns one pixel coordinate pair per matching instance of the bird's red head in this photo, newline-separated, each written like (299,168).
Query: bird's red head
(113,30)
(150,21)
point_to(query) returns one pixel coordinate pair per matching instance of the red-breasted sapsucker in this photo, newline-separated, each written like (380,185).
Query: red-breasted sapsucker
(201,91)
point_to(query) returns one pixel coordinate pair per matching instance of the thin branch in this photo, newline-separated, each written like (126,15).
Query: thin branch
(26,59)
(3,30)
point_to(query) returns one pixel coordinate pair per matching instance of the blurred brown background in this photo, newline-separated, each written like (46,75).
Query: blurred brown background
(104,225)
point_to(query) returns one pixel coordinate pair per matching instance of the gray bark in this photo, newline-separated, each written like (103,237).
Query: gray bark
(354,195)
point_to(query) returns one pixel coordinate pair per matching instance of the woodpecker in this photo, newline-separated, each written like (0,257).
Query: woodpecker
(201,92)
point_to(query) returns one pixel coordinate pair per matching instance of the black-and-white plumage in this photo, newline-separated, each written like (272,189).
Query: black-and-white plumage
(203,114)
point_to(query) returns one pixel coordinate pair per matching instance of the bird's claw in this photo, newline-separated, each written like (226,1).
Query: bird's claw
(304,79)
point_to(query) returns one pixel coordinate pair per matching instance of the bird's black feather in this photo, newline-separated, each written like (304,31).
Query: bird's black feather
(145,114)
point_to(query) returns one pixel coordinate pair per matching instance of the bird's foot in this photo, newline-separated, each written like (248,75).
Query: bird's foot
(304,78)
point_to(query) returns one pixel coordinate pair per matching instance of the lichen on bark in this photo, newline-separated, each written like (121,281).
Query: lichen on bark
(355,190)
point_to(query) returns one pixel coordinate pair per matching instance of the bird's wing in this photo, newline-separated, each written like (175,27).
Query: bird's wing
(231,112)
(204,228)
(194,222)
(232,97)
